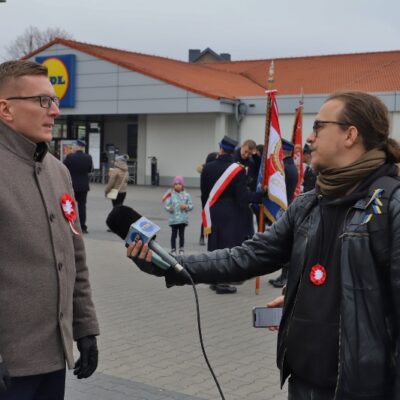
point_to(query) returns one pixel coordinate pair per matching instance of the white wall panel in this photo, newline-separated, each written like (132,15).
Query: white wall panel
(152,106)
(104,94)
(180,143)
(130,78)
(98,80)
(145,92)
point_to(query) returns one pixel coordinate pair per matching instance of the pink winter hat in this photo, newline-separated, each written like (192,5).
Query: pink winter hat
(178,179)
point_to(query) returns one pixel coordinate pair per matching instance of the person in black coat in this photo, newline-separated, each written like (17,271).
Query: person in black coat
(228,214)
(80,165)
(310,177)
(291,173)
(210,157)
(244,156)
(291,178)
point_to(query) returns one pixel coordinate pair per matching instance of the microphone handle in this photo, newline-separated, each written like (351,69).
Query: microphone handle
(153,245)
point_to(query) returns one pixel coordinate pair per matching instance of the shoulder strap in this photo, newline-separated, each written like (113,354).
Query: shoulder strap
(379,224)
(219,186)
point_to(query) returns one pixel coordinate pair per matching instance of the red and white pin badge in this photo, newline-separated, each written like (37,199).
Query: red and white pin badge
(68,206)
(318,275)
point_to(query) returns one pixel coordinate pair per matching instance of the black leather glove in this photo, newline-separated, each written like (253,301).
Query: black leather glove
(87,362)
(5,379)
(148,267)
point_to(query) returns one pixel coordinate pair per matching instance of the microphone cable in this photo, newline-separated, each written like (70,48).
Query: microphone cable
(188,276)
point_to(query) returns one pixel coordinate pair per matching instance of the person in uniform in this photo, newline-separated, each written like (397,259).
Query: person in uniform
(244,156)
(210,157)
(228,213)
(80,164)
(309,178)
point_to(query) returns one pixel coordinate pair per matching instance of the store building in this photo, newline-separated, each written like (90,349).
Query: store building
(174,112)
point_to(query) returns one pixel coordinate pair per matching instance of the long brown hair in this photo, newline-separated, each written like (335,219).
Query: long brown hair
(371,118)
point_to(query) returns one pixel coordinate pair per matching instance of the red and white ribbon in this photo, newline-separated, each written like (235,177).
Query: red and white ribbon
(218,188)
(68,206)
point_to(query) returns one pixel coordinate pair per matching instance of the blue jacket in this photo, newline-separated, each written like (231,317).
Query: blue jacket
(178,216)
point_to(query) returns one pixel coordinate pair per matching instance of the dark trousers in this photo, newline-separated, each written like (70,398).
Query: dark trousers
(284,272)
(179,228)
(119,200)
(299,390)
(49,386)
(81,198)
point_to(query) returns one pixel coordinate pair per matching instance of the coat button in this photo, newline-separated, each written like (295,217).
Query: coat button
(61,315)
(59,265)
(38,170)
(52,217)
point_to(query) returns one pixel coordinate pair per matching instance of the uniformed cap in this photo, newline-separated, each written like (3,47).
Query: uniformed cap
(228,144)
(287,146)
(81,143)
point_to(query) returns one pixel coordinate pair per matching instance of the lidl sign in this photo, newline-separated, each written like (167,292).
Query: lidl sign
(62,76)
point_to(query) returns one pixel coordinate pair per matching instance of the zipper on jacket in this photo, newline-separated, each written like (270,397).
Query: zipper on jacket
(340,311)
(339,361)
(294,307)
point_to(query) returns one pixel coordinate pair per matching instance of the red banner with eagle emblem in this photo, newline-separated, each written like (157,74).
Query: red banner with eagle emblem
(272,173)
(297,140)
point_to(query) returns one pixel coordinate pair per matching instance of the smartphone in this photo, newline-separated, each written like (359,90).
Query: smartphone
(264,317)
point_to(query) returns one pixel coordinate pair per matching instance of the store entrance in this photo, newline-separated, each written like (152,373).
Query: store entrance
(68,129)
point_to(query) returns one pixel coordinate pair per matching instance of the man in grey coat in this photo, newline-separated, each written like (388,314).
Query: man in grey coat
(45,295)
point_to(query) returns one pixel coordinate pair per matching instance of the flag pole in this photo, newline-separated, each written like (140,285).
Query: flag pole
(297,140)
(261,216)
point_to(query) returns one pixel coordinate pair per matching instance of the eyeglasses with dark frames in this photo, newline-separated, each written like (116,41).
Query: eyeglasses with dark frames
(319,123)
(45,101)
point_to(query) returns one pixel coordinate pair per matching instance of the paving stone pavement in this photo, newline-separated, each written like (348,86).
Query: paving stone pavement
(149,345)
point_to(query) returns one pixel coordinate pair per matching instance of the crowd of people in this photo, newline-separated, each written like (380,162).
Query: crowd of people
(336,244)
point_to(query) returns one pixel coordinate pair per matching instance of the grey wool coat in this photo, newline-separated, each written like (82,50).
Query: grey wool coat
(45,295)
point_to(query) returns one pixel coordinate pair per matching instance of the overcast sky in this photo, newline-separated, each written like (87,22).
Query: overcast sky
(247,29)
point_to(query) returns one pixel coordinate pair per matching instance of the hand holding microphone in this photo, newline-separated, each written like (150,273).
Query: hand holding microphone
(136,230)
(142,255)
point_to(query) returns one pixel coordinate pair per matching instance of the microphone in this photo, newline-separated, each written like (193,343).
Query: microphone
(129,225)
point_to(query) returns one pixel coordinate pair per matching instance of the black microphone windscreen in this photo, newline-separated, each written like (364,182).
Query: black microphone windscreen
(120,219)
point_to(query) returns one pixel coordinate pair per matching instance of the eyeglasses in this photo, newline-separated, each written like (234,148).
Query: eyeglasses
(45,101)
(318,125)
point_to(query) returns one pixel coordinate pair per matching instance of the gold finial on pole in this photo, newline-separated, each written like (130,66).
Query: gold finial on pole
(271,74)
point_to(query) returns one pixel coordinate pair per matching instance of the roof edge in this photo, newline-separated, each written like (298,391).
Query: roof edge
(78,46)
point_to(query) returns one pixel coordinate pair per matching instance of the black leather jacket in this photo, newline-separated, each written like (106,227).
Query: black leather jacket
(369,309)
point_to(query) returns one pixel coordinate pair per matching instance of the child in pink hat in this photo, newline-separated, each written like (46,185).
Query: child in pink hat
(178,204)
